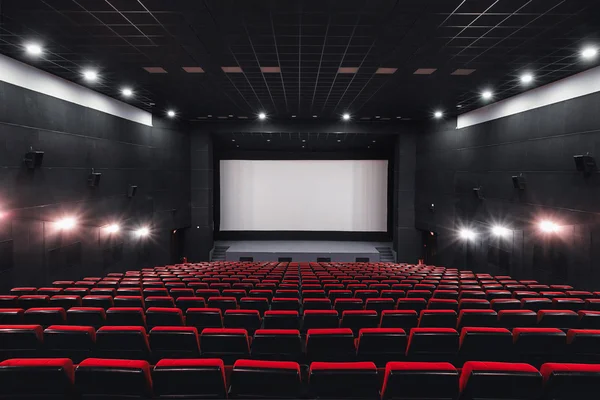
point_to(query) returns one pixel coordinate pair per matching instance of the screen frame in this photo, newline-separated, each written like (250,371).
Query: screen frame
(301,235)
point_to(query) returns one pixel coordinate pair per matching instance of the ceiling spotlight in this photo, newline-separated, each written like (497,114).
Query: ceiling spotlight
(589,53)
(262,116)
(127,92)
(438,114)
(303,140)
(346,117)
(339,140)
(112,228)
(90,75)
(548,226)
(314,116)
(501,231)
(233,140)
(293,116)
(487,94)
(171,113)
(268,140)
(459,106)
(66,223)
(142,232)
(467,234)
(526,78)
(34,49)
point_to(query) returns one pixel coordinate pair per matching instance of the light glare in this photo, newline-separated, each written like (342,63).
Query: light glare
(90,75)
(171,113)
(262,116)
(112,228)
(487,94)
(589,52)
(547,226)
(438,114)
(500,231)
(142,232)
(346,117)
(127,92)
(526,78)
(66,223)
(34,49)
(467,234)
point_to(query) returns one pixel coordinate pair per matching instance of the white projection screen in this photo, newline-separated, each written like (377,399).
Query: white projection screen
(304,195)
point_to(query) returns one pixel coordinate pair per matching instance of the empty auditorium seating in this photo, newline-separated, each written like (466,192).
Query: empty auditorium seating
(226,344)
(20,341)
(570,381)
(191,378)
(174,342)
(330,345)
(122,342)
(37,378)
(537,346)
(270,379)
(277,344)
(103,378)
(485,344)
(343,380)
(381,345)
(420,380)
(497,380)
(74,342)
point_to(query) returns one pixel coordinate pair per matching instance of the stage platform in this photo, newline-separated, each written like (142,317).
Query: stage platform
(303,251)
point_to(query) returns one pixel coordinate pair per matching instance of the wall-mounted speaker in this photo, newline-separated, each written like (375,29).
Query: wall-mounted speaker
(478,192)
(585,163)
(33,159)
(94,179)
(519,182)
(131,191)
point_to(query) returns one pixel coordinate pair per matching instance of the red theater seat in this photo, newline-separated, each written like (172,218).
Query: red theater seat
(486,318)
(474,304)
(20,341)
(283,319)
(536,304)
(343,380)
(190,379)
(159,301)
(411,304)
(277,344)
(174,342)
(330,345)
(185,303)
(285,304)
(505,304)
(245,319)
(497,380)
(202,318)
(36,378)
(358,319)
(437,319)
(404,319)
(316,304)
(381,345)
(432,344)
(265,379)
(102,378)
(536,346)
(86,316)
(420,380)
(442,304)
(571,381)
(129,301)
(102,301)
(260,304)
(510,319)
(226,344)
(380,304)
(126,342)
(45,316)
(320,319)
(588,319)
(583,346)
(11,316)
(74,342)
(561,319)
(23,291)
(126,316)
(33,301)
(485,344)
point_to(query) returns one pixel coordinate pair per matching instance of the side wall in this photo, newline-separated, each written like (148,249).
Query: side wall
(540,144)
(76,139)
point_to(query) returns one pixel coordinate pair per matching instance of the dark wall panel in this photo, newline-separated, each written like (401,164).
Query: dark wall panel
(538,143)
(76,139)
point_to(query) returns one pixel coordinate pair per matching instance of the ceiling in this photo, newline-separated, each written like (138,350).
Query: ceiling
(321,56)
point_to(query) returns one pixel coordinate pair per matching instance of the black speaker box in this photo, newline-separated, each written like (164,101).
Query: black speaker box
(585,164)
(131,191)
(519,182)
(33,159)
(94,179)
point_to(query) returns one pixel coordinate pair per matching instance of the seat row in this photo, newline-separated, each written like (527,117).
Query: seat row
(251,320)
(206,378)
(379,345)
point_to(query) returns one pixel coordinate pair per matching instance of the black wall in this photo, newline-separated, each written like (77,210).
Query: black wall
(540,144)
(76,139)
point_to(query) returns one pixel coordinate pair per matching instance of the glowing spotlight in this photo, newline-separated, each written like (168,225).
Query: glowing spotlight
(171,114)
(127,92)
(589,53)
(467,234)
(112,228)
(346,117)
(262,116)
(526,78)
(486,94)
(142,232)
(90,75)
(438,114)
(547,226)
(34,49)
(66,223)
(501,231)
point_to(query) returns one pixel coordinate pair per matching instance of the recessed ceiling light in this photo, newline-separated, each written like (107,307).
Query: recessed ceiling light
(339,140)
(463,72)
(262,116)
(171,113)
(302,146)
(374,141)
(459,106)
(386,71)
(268,140)
(90,75)
(425,71)
(237,145)
(34,49)
(303,140)
(438,114)
(368,147)
(314,116)
(209,115)
(270,70)
(193,70)
(486,94)
(526,78)
(155,70)
(127,92)
(346,117)
(232,70)
(233,140)
(347,70)
(589,53)
(230,115)
(293,116)
(398,117)
(378,116)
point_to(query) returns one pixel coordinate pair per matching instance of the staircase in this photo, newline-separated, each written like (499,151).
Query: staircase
(218,253)
(385,254)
